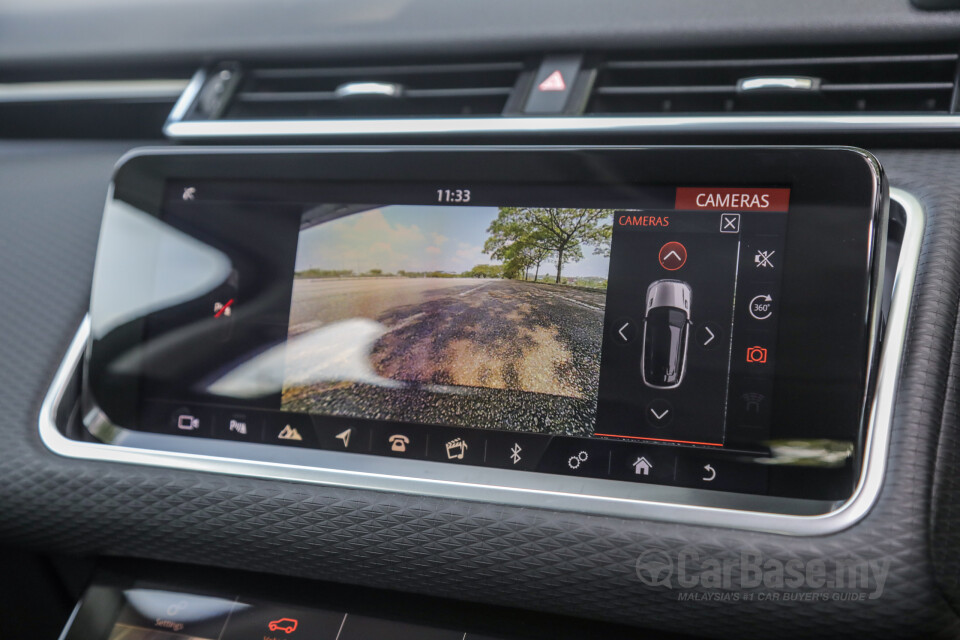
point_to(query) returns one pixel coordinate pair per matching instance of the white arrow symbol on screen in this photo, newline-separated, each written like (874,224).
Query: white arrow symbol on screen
(659,416)
(674,254)
(712,336)
(622,335)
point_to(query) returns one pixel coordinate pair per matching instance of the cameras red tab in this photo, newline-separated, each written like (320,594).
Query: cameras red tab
(732,199)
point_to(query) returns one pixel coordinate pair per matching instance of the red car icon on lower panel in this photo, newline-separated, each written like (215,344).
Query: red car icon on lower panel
(287,625)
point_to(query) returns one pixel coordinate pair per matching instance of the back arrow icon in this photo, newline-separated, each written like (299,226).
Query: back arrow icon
(711,473)
(622,335)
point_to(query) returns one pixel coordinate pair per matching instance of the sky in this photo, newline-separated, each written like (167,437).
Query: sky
(414,238)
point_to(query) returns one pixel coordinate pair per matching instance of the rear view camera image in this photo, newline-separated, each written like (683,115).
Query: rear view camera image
(466,316)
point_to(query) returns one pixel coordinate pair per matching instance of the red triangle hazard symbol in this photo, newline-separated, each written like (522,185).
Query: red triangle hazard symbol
(554,82)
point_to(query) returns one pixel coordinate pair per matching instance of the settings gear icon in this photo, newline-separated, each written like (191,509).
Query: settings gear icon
(575,461)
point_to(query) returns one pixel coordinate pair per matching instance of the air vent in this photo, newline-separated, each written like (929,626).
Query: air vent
(402,91)
(912,83)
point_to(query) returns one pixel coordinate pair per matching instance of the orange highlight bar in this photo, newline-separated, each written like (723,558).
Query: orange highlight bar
(613,435)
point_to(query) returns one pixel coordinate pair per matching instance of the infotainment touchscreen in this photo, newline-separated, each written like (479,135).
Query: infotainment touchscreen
(641,331)
(493,316)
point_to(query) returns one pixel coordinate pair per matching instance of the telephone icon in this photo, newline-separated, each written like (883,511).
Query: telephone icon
(399,443)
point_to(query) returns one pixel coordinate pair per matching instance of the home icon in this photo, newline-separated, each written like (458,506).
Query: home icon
(642,466)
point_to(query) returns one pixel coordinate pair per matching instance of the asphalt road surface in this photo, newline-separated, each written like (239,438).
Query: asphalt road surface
(460,351)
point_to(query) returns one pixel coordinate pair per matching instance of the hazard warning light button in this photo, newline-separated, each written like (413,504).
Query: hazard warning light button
(553,86)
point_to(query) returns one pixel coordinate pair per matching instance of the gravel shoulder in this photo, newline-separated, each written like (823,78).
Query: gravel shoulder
(466,352)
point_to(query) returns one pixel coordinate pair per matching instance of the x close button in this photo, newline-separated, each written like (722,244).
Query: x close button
(729,223)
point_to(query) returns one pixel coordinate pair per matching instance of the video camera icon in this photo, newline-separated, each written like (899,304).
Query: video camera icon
(188,422)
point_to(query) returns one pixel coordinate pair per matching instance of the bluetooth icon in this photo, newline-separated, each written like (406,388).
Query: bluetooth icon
(515,453)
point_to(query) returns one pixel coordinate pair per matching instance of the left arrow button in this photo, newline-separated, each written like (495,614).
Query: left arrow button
(623,330)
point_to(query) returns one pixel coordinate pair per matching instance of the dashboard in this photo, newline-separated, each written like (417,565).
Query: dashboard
(377,321)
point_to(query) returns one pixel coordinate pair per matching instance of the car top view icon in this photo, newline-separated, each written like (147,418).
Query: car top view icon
(666,332)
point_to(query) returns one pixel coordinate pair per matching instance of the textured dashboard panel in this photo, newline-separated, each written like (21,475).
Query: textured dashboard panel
(50,202)
(66,31)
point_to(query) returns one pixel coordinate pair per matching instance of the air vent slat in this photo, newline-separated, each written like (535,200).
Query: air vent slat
(774,62)
(886,82)
(890,86)
(630,91)
(413,94)
(342,72)
(385,91)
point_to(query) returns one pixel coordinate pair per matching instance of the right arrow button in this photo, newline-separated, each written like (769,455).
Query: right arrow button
(709,335)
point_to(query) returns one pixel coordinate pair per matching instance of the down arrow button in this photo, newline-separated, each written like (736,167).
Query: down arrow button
(659,413)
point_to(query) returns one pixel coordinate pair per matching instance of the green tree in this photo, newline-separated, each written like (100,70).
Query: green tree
(557,232)
(485,271)
(518,248)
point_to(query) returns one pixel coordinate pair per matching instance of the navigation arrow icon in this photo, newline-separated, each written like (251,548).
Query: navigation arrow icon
(659,413)
(711,334)
(345,436)
(624,330)
(672,256)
